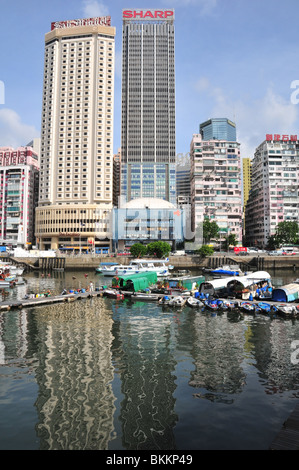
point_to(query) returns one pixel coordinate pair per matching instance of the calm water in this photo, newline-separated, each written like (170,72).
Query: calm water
(109,375)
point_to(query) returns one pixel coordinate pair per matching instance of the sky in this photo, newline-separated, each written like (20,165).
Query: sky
(233,58)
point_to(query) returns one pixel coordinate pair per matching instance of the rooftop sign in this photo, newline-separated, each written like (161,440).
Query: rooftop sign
(99,21)
(283,137)
(148,14)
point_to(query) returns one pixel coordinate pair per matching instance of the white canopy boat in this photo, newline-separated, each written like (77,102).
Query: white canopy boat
(160,266)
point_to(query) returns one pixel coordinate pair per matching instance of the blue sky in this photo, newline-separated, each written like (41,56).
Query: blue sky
(234,59)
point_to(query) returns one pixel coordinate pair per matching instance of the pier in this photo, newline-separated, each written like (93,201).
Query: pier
(288,437)
(47,300)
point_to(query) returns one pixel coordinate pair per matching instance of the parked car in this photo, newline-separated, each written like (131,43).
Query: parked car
(275,253)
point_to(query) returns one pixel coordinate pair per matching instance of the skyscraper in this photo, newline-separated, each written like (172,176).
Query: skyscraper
(77,135)
(148,105)
(218,128)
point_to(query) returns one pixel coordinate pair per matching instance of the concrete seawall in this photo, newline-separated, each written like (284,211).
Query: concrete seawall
(86,262)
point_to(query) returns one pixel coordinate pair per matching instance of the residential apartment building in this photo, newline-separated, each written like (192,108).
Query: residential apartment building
(76,162)
(19,174)
(274,194)
(116,178)
(216,184)
(183,182)
(148,145)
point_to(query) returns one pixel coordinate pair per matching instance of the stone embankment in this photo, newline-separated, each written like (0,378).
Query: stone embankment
(262,262)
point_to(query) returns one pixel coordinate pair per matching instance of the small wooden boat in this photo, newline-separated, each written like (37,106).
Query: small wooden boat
(213,304)
(193,302)
(113,294)
(145,296)
(287,309)
(247,307)
(264,307)
(177,301)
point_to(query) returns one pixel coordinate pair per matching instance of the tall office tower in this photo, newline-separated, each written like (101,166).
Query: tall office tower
(218,129)
(216,184)
(19,173)
(274,195)
(77,135)
(148,105)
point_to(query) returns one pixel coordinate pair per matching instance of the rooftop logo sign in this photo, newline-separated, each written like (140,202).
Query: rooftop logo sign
(148,14)
(99,21)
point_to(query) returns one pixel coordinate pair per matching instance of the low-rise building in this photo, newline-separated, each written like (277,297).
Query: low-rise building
(19,174)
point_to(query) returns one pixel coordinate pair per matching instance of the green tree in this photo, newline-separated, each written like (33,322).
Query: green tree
(210,230)
(137,250)
(287,232)
(205,250)
(158,249)
(230,240)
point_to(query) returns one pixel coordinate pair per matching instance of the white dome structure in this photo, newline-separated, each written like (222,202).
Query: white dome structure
(148,203)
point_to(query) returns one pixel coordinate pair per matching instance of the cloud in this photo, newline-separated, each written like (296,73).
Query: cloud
(13,132)
(205,7)
(254,118)
(93,8)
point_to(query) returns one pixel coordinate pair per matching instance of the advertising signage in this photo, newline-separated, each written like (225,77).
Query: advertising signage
(283,137)
(99,21)
(148,14)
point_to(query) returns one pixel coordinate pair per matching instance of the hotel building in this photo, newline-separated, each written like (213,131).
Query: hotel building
(76,161)
(19,174)
(148,146)
(216,184)
(274,194)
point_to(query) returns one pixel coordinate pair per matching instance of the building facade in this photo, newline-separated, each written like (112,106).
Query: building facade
(218,129)
(76,163)
(274,194)
(148,143)
(216,184)
(19,173)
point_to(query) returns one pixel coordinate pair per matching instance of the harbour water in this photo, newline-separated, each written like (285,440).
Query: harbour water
(121,375)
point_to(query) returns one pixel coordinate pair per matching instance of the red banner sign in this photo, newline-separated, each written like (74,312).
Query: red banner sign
(283,137)
(239,249)
(148,14)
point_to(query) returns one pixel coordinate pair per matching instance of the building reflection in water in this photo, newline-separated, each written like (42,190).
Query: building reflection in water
(218,356)
(75,403)
(143,354)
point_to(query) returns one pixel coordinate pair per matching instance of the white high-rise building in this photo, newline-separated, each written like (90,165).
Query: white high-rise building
(274,194)
(76,163)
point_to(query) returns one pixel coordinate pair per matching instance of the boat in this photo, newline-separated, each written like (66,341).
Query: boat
(213,304)
(287,309)
(113,294)
(138,266)
(182,283)
(146,296)
(247,307)
(12,269)
(227,270)
(264,306)
(287,293)
(193,302)
(99,269)
(177,301)
(136,282)
(215,287)
(246,286)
